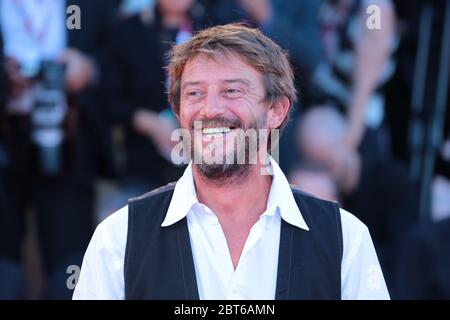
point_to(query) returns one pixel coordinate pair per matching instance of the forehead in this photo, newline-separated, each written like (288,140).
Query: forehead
(219,67)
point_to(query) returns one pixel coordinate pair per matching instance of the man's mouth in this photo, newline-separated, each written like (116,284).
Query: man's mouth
(217,130)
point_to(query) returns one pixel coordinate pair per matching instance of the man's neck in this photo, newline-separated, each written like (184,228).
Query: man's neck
(243,198)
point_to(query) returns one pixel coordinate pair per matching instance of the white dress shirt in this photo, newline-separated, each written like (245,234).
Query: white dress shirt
(102,274)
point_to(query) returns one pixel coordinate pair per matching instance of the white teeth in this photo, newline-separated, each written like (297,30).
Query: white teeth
(218,130)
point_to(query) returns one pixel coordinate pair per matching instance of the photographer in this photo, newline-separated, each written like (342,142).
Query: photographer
(54,132)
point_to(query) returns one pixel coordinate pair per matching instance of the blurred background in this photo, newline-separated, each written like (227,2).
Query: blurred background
(85,123)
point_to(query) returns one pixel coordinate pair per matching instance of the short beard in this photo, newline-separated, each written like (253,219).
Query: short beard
(227,173)
(223,173)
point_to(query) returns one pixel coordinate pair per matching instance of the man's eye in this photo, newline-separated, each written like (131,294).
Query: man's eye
(233,92)
(194,94)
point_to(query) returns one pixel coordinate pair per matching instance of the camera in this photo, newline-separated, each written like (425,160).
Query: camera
(47,116)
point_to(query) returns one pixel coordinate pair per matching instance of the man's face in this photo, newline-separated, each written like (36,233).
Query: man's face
(227,96)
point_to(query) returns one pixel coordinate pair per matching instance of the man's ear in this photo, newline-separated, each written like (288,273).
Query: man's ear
(278,112)
(177,115)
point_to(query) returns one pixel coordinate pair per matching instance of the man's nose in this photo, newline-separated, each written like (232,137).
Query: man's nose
(212,106)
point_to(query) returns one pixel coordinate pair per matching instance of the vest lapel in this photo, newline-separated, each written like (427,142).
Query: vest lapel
(284,262)
(295,277)
(187,261)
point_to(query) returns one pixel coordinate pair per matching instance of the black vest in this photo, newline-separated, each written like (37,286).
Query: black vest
(159,264)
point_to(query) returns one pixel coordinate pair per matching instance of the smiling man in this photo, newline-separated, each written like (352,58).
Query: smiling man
(225,230)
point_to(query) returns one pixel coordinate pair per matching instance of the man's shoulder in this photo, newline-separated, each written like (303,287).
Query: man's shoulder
(151,208)
(354,231)
(112,231)
(301,195)
(158,192)
(320,215)
(118,221)
(349,221)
